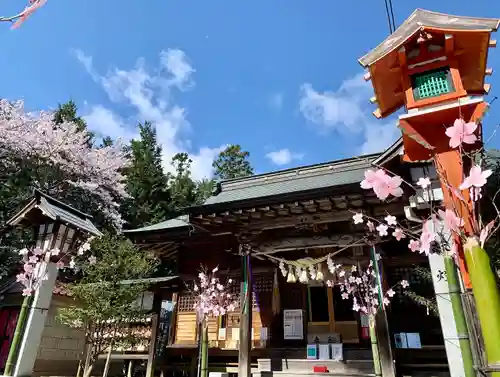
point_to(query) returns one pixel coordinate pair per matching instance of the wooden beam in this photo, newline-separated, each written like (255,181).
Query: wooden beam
(377,113)
(449,44)
(373,100)
(402,57)
(488,72)
(294,219)
(487,88)
(294,243)
(367,76)
(493,43)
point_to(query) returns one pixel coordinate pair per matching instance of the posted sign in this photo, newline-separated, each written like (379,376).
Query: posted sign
(293,324)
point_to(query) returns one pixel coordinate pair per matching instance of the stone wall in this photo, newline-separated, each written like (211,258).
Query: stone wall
(60,347)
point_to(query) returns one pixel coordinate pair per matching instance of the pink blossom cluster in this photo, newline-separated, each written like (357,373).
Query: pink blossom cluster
(361,285)
(382,184)
(35,137)
(385,185)
(35,260)
(213,298)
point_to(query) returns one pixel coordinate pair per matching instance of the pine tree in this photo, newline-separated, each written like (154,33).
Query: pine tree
(146,183)
(231,163)
(183,189)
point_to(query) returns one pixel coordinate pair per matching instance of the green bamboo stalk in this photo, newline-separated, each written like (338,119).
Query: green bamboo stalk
(373,338)
(377,363)
(458,313)
(18,335)
(487,300)
(204,349)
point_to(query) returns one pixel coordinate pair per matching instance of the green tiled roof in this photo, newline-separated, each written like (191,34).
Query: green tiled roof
(178,222)
(321,176)
(57,213)
(297,180)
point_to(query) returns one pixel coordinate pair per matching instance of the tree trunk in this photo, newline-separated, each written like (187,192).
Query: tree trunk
(88,370)
(373,337)
(108,361)
(204,349)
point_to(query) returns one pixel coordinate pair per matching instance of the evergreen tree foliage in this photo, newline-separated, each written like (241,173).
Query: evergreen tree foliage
(182,187)
(67,112)
(231,163)
(105,298)
(147,185)
(204,189)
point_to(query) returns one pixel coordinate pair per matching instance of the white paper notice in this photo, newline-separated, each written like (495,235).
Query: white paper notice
(293,325)
(235,333)
(222,334)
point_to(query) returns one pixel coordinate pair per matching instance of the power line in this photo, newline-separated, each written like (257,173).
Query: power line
(392,16)
(388,16)
(389,11)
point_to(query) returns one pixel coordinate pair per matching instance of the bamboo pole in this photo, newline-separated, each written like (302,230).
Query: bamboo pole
(373,338)
(18,336)
(377,365)
(204,349)
(458,313)
(487,300)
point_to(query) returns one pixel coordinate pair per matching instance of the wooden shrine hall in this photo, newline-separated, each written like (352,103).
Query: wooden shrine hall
(302,216)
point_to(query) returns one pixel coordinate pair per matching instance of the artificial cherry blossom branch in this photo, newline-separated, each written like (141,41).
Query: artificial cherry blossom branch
(19,18)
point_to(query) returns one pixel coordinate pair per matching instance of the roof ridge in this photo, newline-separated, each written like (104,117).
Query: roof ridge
(67,207)
(296,174)
(320,165)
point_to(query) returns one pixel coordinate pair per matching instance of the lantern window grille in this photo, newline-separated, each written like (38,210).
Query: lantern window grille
(432,83)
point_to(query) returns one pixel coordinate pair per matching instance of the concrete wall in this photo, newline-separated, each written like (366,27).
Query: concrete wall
(61,346)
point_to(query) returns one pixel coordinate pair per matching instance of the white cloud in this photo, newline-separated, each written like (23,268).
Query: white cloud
(106,123)
(284,156)
(379,137)
(150,96)
(347,110)
(176,63)
(275,101)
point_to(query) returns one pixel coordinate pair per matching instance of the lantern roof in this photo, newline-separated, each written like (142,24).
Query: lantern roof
(471,43)
(422,18)
(44,206)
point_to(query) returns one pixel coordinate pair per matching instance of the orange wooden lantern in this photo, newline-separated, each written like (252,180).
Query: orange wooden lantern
(434,65)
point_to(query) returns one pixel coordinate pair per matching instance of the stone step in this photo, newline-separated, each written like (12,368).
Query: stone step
(306,366)
(310,374)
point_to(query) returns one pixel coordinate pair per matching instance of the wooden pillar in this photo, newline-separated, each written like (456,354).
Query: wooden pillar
(152,343)
(245,349)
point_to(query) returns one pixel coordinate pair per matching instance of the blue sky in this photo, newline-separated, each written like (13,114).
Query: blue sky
(279,77)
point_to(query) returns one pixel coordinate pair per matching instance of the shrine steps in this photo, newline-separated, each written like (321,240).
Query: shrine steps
(304,368)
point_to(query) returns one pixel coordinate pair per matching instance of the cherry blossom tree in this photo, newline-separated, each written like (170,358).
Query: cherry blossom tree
(18,19)
(62,156)
(213,299)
